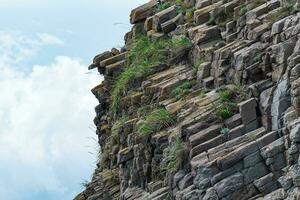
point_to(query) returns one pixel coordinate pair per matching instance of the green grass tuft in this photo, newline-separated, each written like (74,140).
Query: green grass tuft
(163,6)
(226,94)
(243,10)
(181,41)
(173,156)
(143,55)
(155,121)
(117,126)
(181,90)
(226,106)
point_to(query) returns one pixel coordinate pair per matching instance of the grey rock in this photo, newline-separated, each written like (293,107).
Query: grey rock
(252,173)
(248,110)
(229,185)
(211,194)
(142,12)
(266,184)
(252,159)
(185,182)
(279,194)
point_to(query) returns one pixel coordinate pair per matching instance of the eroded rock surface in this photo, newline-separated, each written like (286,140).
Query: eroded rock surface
(217,117)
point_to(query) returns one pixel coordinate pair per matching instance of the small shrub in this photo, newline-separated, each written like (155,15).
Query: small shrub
(156,120)
(163,5)
(181,90)
(243,10)
(225,110)
(226,95)
(173,156)
(181,6)
(142,111)
(190,13)
(224,131)
(181,41)
(117,125)
(226,106)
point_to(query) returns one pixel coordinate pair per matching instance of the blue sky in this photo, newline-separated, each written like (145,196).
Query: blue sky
(47,139)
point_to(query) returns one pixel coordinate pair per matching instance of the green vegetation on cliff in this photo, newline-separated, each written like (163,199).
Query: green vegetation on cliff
(156,120)
(173,156)
(143,55)
(226,106)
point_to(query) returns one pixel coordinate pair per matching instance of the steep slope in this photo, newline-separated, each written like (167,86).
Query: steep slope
(202,102)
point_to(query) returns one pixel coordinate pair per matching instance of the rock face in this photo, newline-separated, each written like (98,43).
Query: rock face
(202,102)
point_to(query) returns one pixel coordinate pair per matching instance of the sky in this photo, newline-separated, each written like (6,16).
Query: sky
(47,142)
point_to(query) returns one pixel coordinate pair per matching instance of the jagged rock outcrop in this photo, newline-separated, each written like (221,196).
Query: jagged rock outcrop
(202,102)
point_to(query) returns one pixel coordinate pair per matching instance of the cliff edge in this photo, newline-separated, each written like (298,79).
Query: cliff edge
(202,102)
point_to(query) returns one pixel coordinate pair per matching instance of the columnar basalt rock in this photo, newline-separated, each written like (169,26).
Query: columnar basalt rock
(206,107)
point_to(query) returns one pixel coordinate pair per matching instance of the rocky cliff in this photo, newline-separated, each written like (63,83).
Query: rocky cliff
(202,102)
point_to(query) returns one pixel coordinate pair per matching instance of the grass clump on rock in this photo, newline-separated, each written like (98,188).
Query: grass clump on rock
(117,126)
(155,121)
(226,106)
(143,55)
(182,90)
(173,156)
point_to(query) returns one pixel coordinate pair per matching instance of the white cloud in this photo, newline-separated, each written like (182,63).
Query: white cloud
(44,118)
(48,39)
(15,47)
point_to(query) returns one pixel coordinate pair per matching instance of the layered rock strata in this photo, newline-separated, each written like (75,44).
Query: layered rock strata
(232,88)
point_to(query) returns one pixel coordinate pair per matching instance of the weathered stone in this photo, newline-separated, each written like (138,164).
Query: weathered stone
(125,155)
(142,12)
(162,17)
(248,111)
(203,71)
(211,194)
(273,149)
(251,173)
(224,174)
(277,27)
(233,121)
(266,184)
(202,16)
(237,42)
(185,182)
(148,24)
(235,156)
(201,34)
(252,159)
(295,133)
(286,182)
(280,103)
(279,194)
(205,135)
(229,185)
(99,58)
